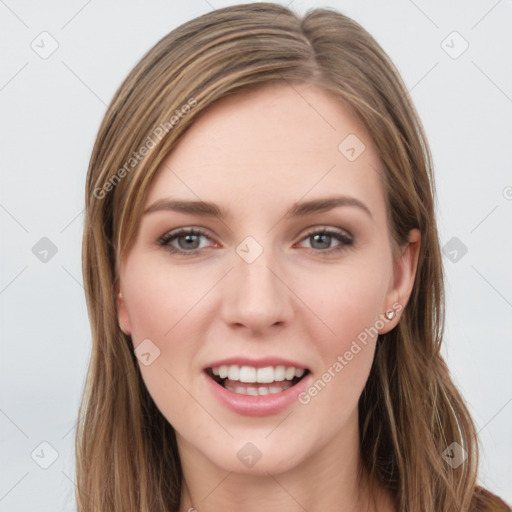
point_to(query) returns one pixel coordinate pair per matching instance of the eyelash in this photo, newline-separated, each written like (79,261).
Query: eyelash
(346,241)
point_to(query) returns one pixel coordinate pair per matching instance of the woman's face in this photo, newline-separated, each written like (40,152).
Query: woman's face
(289,314)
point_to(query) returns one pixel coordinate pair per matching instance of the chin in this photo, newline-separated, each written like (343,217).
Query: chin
(255,455)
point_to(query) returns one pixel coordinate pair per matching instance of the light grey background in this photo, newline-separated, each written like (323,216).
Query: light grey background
(51,109)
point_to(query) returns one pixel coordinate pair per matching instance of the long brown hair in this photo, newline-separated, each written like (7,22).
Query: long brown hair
(410,411)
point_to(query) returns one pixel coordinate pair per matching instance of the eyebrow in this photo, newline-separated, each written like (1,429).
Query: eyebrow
(300,209)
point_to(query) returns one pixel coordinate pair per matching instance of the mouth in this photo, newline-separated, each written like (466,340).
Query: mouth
(250,380)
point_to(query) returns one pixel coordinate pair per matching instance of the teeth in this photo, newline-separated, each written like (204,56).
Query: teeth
(262,390)
(233,372)
(279,373)
(223,372)
(265,374)
(250,374)
(275,389)
(247,374)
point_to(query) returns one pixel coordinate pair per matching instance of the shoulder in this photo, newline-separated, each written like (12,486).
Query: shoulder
(486,501)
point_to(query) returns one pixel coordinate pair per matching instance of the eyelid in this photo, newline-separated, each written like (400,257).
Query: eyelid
(320,228)
(165,239)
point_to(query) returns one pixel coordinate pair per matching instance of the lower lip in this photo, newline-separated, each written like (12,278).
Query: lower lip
(260,405)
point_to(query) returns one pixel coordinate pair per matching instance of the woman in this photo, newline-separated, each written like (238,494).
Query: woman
(249,368)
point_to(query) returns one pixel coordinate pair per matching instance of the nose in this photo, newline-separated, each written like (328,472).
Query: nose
(256,295)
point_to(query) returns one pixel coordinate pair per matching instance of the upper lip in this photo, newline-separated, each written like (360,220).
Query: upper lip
(256,363)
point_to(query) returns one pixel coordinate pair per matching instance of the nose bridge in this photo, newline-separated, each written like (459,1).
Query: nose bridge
(257,296)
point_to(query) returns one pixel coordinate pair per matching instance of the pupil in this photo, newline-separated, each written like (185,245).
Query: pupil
(324,236)
(188,239)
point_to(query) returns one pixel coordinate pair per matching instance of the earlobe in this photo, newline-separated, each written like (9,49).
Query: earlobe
(404,274)
(122,314)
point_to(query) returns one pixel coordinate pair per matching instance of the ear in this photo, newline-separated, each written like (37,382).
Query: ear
(402,281)
(122,313)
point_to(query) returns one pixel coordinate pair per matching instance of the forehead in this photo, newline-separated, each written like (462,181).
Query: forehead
(271,147)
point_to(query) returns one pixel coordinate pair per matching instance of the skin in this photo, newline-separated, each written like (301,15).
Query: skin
(256,154)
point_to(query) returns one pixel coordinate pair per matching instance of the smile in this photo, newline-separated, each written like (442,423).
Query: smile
(249,380)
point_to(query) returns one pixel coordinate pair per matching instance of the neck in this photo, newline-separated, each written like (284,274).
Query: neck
(331,479)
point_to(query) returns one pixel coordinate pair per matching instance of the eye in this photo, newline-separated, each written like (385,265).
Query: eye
(324,236)
(188,240)
(190,237)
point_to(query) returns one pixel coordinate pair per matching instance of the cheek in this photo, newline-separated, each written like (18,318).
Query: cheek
(160,297)
(351,306)
(161,309)
(158,312)
(349,300)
